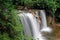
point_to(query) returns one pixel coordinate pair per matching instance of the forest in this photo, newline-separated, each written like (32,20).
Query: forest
(10,24)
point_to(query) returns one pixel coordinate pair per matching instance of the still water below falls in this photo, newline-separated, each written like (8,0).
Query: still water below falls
(32,27)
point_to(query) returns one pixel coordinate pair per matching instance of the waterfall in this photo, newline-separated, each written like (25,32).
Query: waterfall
(44,22)
(25,23)
(31,26)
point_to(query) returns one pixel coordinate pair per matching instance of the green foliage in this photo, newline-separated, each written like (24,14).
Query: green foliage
(50,5)
(10,25)
(4,37)
(58,3)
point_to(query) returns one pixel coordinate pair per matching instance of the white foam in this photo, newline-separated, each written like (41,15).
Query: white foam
(46,29)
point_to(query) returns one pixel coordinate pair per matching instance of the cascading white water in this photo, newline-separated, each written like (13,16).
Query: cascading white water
(30,21)
(25,23)
(35,28)
(44,22)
